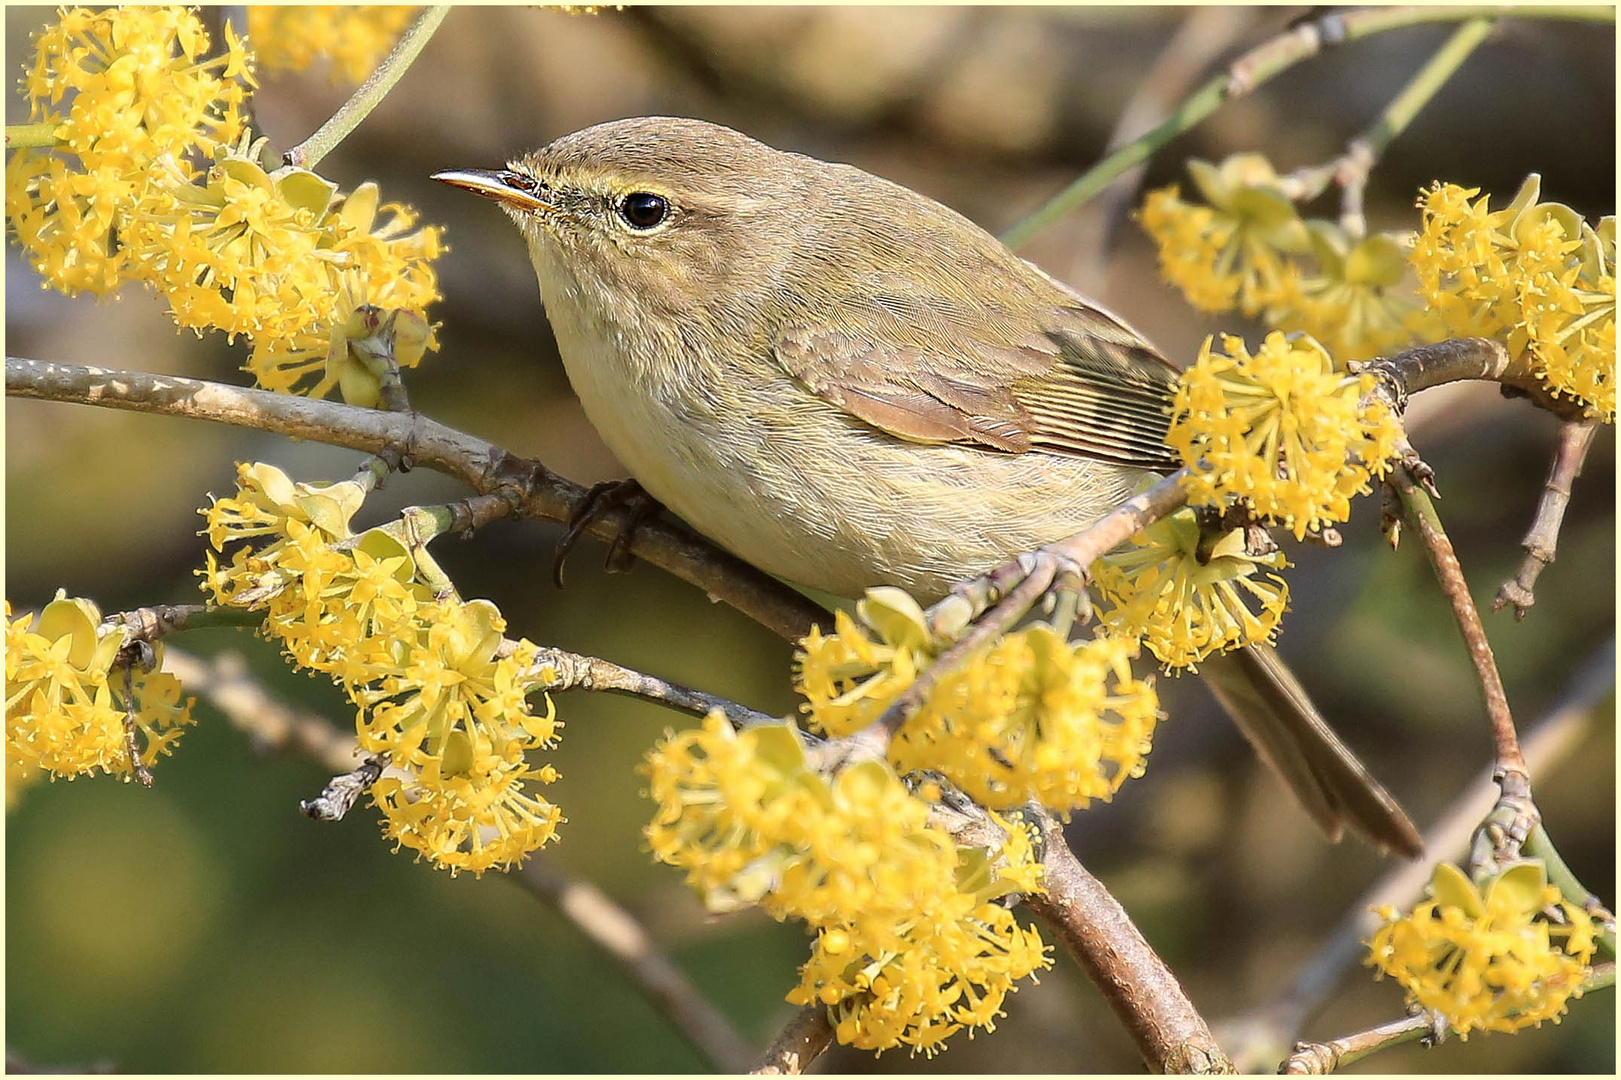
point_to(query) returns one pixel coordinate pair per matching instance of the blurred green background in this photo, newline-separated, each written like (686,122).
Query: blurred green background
(204,925)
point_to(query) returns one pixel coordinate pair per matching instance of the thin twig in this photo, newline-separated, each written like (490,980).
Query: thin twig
(479,464)
(991,625)
(1260,1038)
(1508,763)
(160,620)
(617,932)
(132,740)
(1316,1059)
(1351,169)
(371,92)
(571,671)
(1542,541)
(344,790)
(1170,1034)
(1257,66)
(801,1041)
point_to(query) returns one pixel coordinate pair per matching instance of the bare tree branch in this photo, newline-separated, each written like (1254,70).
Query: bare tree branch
(1169,1032)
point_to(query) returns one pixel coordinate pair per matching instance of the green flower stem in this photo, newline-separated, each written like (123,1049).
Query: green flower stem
(1540,846)
(1259,65)
(371,93)
(1424,86)
(19,136)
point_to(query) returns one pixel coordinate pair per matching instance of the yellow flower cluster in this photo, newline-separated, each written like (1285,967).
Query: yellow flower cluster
(66,704)
(1500,957)
(170,192)
(1186,596)
(1533,274)
(1035,717)
(293,37)
(1029,717)
(850,677)
(1250,250)
(124,88)
(1230,253)
(282,258)
(1282,430)
(437,688)
(911,944)
(1357,298)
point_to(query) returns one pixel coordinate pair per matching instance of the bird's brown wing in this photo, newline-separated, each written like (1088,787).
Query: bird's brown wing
(1061,376)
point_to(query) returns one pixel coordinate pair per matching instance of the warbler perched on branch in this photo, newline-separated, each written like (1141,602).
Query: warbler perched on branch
(847,384)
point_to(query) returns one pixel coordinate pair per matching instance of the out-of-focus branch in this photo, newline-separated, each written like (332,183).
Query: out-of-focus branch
(1351,169)
(1575,439)
(1169,1032)
(370,93)
(272,725)
(616,932)
(534,490)
(1262,63)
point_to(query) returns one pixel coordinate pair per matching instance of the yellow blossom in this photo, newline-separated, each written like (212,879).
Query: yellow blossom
(1505,955)
(353,38)
(281,257)
(955,964)
(1035,717)
(1231,252)
(1184,601)
(439,692)
(1532,274)
(751,822)
(471,814)
(67,706)
(849,678)
(1282,430)
(124,87)
(1359,303)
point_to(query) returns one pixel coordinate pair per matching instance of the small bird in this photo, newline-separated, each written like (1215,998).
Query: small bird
(847,384)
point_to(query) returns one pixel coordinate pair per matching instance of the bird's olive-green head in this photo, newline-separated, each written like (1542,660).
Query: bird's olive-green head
(651,216)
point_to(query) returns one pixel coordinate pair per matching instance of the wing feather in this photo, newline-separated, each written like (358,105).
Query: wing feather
(1061,376)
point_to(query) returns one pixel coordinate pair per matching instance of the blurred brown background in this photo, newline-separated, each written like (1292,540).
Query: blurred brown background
(205,926)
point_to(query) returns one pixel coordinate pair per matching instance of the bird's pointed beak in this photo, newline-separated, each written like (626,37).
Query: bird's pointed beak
(506,187)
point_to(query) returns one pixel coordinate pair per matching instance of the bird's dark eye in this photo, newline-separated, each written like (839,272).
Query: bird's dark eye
(643,209)
(521,181)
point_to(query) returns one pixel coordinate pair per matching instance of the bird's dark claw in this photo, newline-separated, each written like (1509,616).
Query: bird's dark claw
(601,499)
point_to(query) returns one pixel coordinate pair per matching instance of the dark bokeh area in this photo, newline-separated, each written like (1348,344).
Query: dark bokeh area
(204,925)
